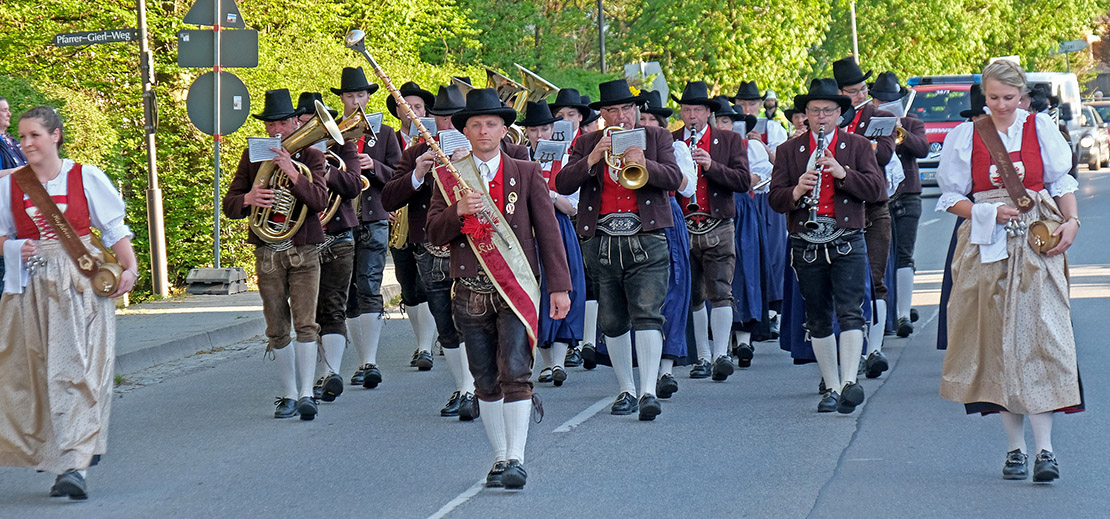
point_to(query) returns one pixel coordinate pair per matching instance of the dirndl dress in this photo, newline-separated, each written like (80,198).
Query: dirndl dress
(568,329)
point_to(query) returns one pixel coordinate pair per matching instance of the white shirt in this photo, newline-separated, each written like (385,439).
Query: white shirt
(759,162)
(776,134)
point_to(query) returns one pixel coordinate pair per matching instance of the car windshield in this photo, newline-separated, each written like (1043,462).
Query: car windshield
(1103,111)
(939,106)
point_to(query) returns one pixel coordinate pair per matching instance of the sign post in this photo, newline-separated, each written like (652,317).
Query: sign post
(1068,47)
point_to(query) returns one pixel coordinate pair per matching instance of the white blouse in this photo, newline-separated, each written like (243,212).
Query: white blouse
(954,171)
(759,162)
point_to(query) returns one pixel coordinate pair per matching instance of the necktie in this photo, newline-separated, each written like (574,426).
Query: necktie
(483,168)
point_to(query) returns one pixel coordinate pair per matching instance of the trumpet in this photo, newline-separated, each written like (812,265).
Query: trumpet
(629,174)
(812,200)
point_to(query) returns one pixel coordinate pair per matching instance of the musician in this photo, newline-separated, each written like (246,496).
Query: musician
(11,154)
(726,115)
(568,105)
(557,336)
(829,261)
(797,120)
(420,100)
(337,256)
(722,165)
(628,258)
(376,160)
(771,108)
(851,81)
(289,271)
(590,123)
(430,278)
(748,100)
(497,342)
(905,204)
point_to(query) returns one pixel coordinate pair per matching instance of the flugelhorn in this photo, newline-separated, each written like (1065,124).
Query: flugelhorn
(629,174)
(264,221)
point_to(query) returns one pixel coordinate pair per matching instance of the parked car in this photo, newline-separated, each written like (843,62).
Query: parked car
(1093,139)
(938,102)
(1101,107)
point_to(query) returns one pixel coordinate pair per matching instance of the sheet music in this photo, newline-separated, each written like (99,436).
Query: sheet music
(375,120)
(562,131)
(321,145)
(895,107)
(451,140)
(258,148)
(761,125)
(549,151)
(428,122)
(625,139)
(740,127)
(880,127)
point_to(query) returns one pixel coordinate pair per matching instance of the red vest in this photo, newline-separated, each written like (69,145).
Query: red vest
(76,210)
(615,198)
(828,184)
(496,186)
(1027,161)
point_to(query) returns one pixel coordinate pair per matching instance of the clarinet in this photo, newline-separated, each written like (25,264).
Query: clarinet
(812,200)
(693,143)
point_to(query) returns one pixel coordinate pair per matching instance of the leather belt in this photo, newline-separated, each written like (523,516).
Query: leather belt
(479,284)
(620,224)
(439,251)
(825,232)
(701,223)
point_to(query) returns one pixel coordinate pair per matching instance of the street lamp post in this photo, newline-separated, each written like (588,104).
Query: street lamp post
(601,34)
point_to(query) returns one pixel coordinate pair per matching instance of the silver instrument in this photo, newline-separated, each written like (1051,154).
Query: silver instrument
(812,200)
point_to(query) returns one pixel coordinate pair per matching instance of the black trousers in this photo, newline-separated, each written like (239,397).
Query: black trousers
(497,346)
(831,278)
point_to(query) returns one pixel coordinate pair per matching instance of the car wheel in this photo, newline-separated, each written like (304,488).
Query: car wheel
(1106,161)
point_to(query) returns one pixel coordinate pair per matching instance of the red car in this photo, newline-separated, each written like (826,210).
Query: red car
(937,102)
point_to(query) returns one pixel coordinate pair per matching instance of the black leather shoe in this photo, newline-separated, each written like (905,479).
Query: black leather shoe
(70,484)
(359,376)
(850,397)
(905,327)
(307,408)
(625,404)
(913,315)
(1016,466)
(744,354)
(452,407)
(701,369)
(493,479)
(545,376)
(415,355)
(373,376)
(589,356)
(286,408)
(468,407)
(875,365)
(828,402)
(1045,468)
(333,387)
(666,386)
(318,389)
(821,387)
(514,476)
(424,361)
(558,375)
(722,368)
(573,359)
(649,408)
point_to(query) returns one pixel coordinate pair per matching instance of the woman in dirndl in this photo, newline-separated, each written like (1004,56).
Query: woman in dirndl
(57,336)
(1011,349)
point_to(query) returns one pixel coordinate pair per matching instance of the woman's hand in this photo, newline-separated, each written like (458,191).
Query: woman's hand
(28,250)
(126,283)
(1004,213)
(1066,231)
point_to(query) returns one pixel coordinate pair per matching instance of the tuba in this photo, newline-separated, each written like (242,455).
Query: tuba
(538,87)
(265,221)
(512,94)
(351,128)
(629,175)
(334,200)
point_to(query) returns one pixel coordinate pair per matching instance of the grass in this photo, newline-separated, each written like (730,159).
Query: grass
(208,352)
(121,380)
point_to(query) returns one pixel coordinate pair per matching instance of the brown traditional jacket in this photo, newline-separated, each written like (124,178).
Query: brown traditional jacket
(916,146)
(314,195)
(728,173)
(386,154)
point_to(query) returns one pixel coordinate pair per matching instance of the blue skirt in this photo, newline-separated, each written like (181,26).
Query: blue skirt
(568,329)
(751,267)
(946,291)
(777,244)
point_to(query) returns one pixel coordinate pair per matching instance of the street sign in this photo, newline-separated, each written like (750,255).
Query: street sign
(196,48)
(71,39)
(1071,46)
(203,13)
(234,105)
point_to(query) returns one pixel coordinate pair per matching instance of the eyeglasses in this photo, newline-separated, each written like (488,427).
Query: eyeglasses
(613,110)
(854,91)
(822,111)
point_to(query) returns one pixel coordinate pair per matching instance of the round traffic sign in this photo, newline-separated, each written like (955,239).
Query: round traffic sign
(234,105)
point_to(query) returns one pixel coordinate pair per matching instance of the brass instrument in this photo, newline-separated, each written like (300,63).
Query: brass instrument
(812,200)
(899,135)
(355,40)
(512,94)
(334,200)
(538,87)
(262,219)
(351,128)
(464,87)
(629,175)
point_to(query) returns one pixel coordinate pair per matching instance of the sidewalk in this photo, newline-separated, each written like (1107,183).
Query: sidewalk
(151,333)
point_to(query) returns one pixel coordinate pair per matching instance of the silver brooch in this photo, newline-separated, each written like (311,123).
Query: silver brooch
(802,149)
(512,181)
(714,141)
(842,145)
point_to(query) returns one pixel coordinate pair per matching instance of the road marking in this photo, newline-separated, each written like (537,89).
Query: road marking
(930,222)
(583,416)
(459,500)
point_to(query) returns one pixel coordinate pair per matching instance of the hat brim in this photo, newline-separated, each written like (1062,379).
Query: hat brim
(712,104)
(370,89)
(801,100)
(542,122)
(444,113)
(662,112)
(639,100)
(279,117)
(972,112)
(591,118)
(747,98)
(883,95)
(506,114)
(391,104)
(856,81)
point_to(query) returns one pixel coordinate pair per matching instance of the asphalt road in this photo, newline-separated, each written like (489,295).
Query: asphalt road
(195,438)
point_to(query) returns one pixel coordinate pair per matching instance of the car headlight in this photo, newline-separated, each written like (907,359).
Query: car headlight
(1086,141)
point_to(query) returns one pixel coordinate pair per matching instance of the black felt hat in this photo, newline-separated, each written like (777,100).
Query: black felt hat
(537,114)
(616,92)
(847,72)
(653,105)
(307,103)
(978,102)
(789,113)
(410,89)
(569,97)
(354,80)
(594,114)
(697,93)
(748,91)
(886,88)
(448,101)
(278,106)
(483,101)
(726,109)
(749,121)
(824,89)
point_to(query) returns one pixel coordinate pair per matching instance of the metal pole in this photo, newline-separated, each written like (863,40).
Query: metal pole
(601,35)
(155,224)
(216,140)
(855,37)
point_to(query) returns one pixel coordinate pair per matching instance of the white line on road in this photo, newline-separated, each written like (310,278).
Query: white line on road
(930,222)
(459,499)
(583,416)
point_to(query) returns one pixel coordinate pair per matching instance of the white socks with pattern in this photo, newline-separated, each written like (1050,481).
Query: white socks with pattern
(516,419)
(824,349)
(649,350)
(620,354)
(701,333)
(875,330)
(333,345)
(721,322)
(904,277)
(851,347)
(286,362)
(306,365)
(493,418)
(589,333)
(460,368)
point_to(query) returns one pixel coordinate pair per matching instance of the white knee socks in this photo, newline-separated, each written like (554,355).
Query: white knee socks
(558,353)
(824,349)
(649,350)
(545,356)
(306,365)
(333,345)
(372,327)
(1042,430)
(460,368)
(875,329)
(851,347)
(287,371)
(516,419)
(423,326)
(355,336)
(589,333)
(493,418)
(1015,429)
(701,333)
(666,366)
(721,322)
(743,337)
(905,292)
(620,353)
